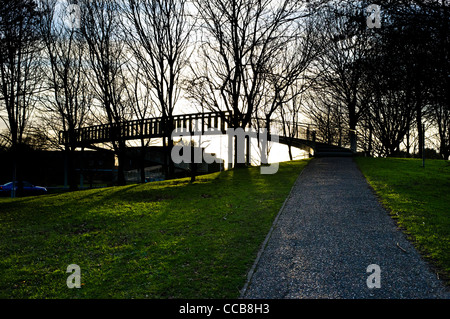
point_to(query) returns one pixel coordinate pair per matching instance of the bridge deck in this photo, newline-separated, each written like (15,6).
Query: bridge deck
(147,128)
(186,123)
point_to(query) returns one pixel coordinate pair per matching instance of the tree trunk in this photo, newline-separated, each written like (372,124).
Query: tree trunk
(193,164)
(370,150)
(408,146)
(20,155)
(353,137)
(142,161)
(169,166)
(71,174)
(121,156)
(419,126)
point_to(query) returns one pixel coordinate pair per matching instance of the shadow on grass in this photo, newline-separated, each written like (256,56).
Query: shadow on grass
(165,239)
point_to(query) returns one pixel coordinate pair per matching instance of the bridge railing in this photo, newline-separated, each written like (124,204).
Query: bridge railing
(308,133)
(302,131)
(146,128)
(337,136)
(198,123)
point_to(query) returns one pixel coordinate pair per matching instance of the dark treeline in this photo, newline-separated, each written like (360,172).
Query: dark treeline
(69,64)
(384,84)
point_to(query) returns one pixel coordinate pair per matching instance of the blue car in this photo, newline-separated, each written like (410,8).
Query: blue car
(28,189)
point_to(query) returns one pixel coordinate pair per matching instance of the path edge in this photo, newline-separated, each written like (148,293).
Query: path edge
(440,274)
(269,235)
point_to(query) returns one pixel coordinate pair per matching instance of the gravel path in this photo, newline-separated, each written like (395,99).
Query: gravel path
(329,231)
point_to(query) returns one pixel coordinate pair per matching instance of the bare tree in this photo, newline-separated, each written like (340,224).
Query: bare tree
(406,74)
(327,116)
(238,38)
(19,71)
(139,99)
(158,36)
(441,118)
(100,27)
(68,101)
(438,71)
(290,114)
(347,44)
(391,114)
(287,71)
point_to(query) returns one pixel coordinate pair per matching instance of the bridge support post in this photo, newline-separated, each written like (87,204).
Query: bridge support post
(82,168)
(248,148)
(66,167)
(237,139)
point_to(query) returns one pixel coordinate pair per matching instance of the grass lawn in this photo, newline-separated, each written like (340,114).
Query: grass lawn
(419,199)
(167,239)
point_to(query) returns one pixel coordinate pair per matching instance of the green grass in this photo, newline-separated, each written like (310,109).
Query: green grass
(167,239)
(419,199)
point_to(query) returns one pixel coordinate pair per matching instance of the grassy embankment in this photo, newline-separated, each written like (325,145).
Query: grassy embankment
(418,199)
(167,239)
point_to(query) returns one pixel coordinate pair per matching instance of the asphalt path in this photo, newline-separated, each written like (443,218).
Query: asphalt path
(333,239)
